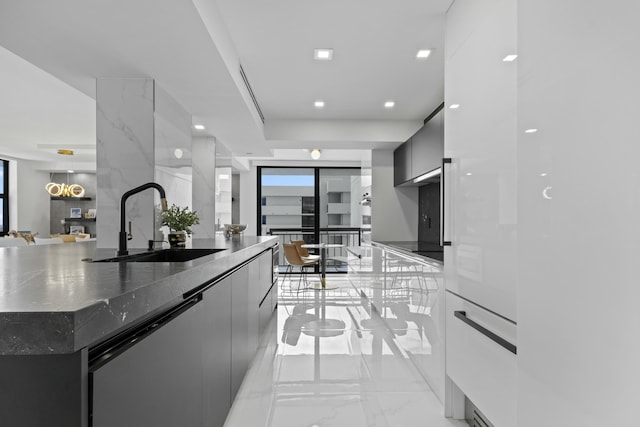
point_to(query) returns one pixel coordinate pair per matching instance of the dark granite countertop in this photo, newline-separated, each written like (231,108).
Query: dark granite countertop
(51,302)
(424,249)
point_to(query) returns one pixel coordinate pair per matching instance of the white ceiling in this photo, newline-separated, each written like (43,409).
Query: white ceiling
(193,50)
(374,43)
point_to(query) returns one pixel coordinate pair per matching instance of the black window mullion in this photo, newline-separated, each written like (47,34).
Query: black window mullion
(5,198)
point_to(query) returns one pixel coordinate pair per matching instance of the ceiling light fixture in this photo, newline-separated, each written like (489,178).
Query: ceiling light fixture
(315,153)
(198,127)
(454,106)
(71,171)
(178,153)
(531,131)
(323,54)
(319,104)
(389,104)
(509,58)
(423,53)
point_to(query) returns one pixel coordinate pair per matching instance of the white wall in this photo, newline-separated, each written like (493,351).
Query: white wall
(29,201)
(248,205)
(394,211)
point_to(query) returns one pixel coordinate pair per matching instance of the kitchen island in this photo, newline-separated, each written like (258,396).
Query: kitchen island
(65,322)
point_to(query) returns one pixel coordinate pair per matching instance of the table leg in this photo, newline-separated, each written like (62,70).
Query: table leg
(323,266)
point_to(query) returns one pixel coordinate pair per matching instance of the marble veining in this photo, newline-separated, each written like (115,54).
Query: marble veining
(51,302)
(124,156)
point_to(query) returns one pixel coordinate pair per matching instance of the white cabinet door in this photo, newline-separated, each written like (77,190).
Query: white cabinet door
(485,370)
(579,192)
(480,136)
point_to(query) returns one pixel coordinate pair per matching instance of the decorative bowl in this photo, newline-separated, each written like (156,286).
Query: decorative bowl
(235,228)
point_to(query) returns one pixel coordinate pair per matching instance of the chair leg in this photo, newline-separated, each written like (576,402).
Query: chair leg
(300,278)
(284,275)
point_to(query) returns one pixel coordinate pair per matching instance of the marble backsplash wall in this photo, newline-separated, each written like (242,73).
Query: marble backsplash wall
(125,157)
(144,135)
(204,186)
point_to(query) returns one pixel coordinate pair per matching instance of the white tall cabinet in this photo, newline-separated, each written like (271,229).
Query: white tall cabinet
(579,210)
(542,206)
(480,217)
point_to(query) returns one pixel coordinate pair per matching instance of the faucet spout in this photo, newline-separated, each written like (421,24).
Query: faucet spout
(124,236)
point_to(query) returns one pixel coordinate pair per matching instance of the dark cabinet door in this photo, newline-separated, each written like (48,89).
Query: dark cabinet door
(216,358)
(427,146)
(156,382)
(240,328)
(429,213)
(402,163)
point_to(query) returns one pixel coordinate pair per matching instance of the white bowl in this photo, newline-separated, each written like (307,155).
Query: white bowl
(235,228)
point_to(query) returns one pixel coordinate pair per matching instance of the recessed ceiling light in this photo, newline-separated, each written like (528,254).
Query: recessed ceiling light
(319,104)
(323,54)
(531,131)
(509,58)
(198,127)
(454,106)
(469,174)
(423,53)
(71,171)
(389,104)
(543,174)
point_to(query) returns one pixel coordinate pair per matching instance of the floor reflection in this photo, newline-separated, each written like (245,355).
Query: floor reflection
(351,356)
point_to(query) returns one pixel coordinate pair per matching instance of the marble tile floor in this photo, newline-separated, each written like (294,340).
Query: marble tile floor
(329,359)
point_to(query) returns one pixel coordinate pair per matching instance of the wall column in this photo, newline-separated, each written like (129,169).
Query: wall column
(125,157)
(204,186)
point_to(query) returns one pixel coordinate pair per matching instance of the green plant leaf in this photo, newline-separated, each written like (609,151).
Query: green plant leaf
(180,219)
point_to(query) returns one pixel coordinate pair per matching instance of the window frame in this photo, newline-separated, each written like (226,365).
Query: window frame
(4,196)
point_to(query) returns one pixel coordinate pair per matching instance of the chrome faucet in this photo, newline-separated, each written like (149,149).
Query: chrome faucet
(124,236)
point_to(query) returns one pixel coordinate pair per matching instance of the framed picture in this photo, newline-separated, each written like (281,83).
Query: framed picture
(76,229)
(91,213)
(76,213)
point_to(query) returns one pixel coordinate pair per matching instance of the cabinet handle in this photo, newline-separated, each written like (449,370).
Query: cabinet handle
(446,160)
(462,315)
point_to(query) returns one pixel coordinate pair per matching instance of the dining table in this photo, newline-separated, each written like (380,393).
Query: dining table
(323,285)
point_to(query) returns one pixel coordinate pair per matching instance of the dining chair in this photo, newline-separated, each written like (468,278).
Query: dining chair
(304,253)
(293,258)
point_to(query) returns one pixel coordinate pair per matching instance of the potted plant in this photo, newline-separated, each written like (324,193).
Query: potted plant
(179,220)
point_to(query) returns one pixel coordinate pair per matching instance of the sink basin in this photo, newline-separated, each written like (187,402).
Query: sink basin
(165,255)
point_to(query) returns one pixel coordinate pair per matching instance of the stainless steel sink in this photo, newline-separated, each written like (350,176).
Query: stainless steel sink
(164,255)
